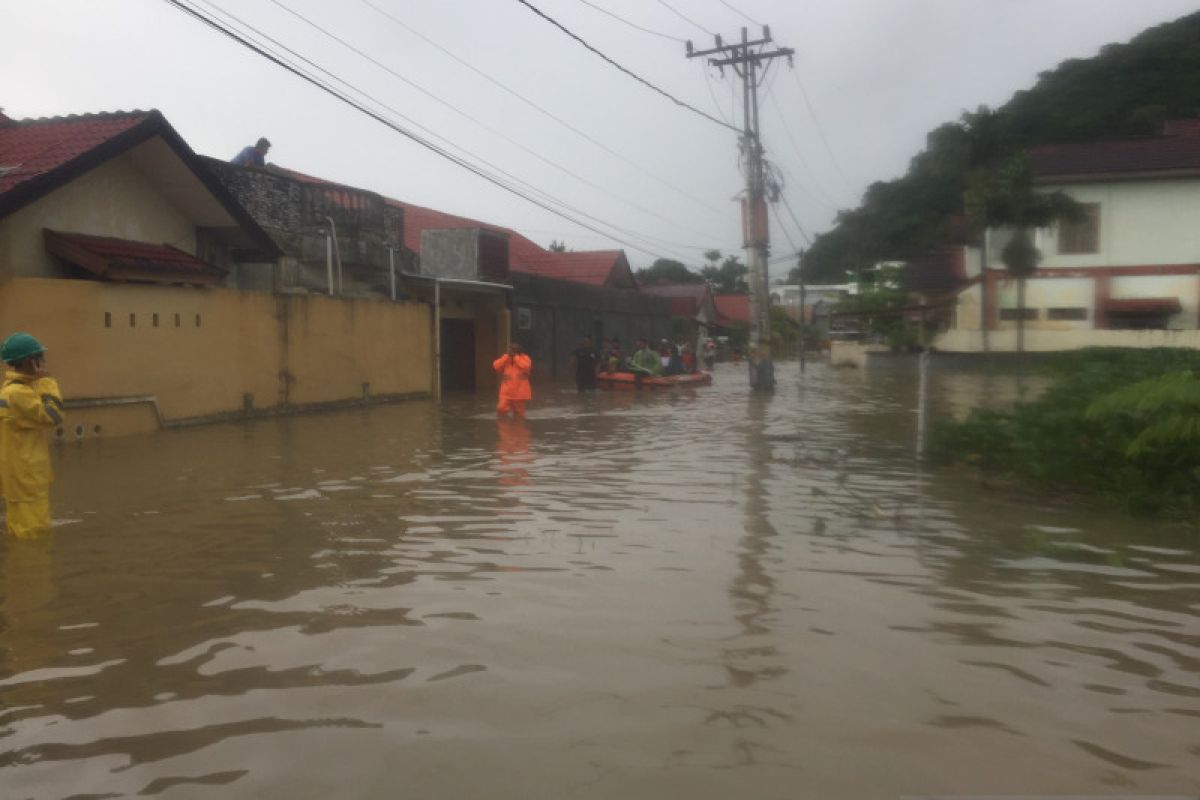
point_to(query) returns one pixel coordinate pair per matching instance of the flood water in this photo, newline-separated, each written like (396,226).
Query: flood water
(699,595)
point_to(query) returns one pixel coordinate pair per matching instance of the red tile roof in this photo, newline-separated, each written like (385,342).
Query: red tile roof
(592,267)
(124,259)
(30,148)
(38,156)
(734,308)
(1177,151)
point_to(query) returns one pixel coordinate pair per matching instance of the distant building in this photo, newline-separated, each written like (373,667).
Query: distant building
(1132,264)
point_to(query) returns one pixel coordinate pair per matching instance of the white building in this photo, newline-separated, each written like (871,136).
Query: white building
(1132,265)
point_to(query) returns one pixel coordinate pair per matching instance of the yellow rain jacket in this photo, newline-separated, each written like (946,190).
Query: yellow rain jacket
(28,407)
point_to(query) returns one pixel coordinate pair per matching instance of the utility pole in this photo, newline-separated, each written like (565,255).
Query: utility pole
(750,61)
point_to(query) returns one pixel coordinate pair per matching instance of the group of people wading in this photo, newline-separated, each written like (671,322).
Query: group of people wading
(669,358)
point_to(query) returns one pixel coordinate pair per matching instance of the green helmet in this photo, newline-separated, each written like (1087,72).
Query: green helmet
(19,347)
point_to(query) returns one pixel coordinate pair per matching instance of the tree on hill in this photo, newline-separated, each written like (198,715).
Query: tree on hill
(729,277)
(1126,90)
(557,246)
(666,270)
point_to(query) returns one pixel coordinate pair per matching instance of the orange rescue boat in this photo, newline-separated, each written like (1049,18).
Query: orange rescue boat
(628,380)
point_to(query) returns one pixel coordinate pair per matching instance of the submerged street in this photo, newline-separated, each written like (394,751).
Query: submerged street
(698,595)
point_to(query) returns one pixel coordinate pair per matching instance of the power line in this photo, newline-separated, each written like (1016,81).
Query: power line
(628,72)
(378,117)
(619,18)
(713,95)
(821,131)
(578,131)
(807,239)
(783,228)
(826,197)
(485,126)
(683,17)
(732,7)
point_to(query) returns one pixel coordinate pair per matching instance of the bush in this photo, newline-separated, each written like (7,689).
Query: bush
(1122,424)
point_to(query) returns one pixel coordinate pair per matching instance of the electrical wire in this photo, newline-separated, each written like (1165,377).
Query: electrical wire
(520,145)
(826,198)
(628,72)
(783,229)
(821,131)
(734,8)
(686,19)
(713,94)
(807,239)
(278,60)
(632,24)
(550,115)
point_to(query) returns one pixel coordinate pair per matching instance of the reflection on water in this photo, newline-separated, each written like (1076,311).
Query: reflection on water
(705,594)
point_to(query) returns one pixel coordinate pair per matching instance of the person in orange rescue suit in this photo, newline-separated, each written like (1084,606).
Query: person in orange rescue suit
(513,368)
(30,404)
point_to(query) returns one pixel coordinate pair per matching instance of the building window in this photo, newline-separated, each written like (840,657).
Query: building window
(1067,313)
(524,318)
(1011,315)
(1082,236)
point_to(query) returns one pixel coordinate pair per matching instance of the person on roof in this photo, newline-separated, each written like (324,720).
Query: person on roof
(30,404)
(253,156)
(513,368)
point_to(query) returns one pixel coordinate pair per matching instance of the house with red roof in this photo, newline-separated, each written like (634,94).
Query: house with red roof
(478,272)
(128,257)
(117,197)
(733,310)
(1131,264)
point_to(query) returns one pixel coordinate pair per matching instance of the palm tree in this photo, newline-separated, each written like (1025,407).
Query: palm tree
(1005,197)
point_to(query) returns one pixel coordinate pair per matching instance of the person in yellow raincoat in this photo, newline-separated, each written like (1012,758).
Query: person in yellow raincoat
(30,404)
(513,368)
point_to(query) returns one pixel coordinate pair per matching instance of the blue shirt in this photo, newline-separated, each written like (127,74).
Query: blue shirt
(249,157)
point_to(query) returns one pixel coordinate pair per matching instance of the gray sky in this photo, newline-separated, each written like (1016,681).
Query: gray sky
(878,74)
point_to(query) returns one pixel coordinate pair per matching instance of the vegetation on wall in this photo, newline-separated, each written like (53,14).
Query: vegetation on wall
(1126,90)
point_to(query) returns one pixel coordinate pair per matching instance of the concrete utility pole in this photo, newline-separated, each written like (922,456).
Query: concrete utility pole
(750,61)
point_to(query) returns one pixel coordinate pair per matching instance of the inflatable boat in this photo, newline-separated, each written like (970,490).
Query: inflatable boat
(628,380)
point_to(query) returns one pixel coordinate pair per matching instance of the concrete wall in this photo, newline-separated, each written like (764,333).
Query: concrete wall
(1078,292)
(964,341)
(560,312)
(205,353)
(114,199)
(1141,223)
(450,253)
(296,214)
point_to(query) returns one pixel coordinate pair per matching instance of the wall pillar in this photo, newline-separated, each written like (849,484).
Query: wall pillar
(990,317)
(1103,290)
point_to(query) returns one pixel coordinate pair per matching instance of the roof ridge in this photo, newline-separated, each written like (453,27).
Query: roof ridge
(88,117)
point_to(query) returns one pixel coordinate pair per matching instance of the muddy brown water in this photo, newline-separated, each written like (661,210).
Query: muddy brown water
(699,595)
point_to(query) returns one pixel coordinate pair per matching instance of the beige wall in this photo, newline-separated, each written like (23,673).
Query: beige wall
(491,328)
(114,199)
(282,350)
(970,341)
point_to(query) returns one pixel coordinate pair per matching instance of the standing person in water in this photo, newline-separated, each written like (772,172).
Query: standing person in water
(513,368)
(30,404)
(586,361)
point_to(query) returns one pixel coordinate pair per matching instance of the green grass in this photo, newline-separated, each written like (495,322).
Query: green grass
(1121,425)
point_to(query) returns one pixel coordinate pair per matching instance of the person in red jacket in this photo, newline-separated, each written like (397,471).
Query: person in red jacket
(513,368)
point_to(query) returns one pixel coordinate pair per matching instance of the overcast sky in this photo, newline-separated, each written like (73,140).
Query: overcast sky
(659,179)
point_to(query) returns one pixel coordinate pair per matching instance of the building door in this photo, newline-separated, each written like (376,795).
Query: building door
(458,355)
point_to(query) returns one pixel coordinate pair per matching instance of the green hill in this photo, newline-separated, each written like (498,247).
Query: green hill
(1125,90)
